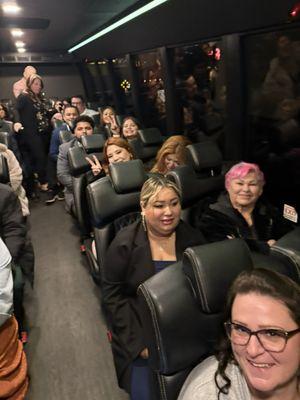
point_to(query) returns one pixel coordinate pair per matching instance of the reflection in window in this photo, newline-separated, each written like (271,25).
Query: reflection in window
(200,89)
(121,72)
(273,78)
(152,90)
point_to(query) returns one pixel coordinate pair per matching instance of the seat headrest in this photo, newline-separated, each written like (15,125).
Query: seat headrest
(65,136)
(77,162)
(212,268)
(204,155)
(150,137)
(127,176)
(93,143)
(4,171)
(193,188)
(106,205)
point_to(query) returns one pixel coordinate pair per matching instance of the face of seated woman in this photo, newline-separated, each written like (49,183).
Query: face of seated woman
(266,372)
(117,154)
(162,212)
(171,161)
(130,129)
(107,114)
(244,192)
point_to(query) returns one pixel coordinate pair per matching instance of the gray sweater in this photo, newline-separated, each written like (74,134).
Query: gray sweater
(200,384)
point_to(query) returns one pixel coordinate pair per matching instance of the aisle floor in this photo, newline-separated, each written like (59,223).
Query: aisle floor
(68,352)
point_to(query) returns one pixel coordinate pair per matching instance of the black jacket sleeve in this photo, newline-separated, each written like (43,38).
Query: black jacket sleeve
(120,305)
(13,229)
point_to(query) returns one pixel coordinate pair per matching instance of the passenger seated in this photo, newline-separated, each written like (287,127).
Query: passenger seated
(13,365)
(109,122)
(130,128)
(240,213)
(7,126)
(115,150)
(139,251)
(259,356)
(13,231)
(83,125)
(70,113)
(15,178)
(78,102)
(171,154)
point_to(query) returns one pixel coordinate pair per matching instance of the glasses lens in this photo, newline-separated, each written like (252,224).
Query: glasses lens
(272,340)
(237,334)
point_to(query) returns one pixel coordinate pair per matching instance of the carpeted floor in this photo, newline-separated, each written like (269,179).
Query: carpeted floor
(68,352)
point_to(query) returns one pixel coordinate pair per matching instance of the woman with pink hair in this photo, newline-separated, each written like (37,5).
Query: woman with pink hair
(241,213)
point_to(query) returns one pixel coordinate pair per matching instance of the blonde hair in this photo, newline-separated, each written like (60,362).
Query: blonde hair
(154,185)
(174,145)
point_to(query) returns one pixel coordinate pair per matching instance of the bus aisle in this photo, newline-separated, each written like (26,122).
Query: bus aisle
(68,352)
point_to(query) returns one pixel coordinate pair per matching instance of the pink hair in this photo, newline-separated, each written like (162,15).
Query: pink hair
(241,170)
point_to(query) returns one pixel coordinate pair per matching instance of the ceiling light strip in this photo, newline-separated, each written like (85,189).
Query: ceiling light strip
(116,24)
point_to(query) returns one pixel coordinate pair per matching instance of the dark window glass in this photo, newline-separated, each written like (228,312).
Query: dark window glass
(123,82)
(201,90)
(151,90)
(273,94)
(105,79)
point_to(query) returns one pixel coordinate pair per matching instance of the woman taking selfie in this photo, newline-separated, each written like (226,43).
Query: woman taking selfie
(259,355)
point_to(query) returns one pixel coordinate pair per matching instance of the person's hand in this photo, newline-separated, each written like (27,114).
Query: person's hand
(95,165)
(144,354)
(271,242)
(114,127)
(18,126)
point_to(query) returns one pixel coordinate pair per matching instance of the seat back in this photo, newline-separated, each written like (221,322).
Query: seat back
(4,171)
(201,180)
(91,145)
(65,136)
(182,330)
(146,145)
(114,202)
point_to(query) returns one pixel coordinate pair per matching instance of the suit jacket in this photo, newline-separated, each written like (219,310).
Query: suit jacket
(128,264)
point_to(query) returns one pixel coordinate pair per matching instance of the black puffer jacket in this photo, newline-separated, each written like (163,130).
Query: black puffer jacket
(221,221)
(13,231)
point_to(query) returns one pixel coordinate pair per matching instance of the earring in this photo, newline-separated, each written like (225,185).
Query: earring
(144,221)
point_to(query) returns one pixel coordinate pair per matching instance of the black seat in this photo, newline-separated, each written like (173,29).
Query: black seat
(4,171)
(182,329)
(113,203)
(65,136)
(91,145)
(146,145)
(201,180)
(96,119)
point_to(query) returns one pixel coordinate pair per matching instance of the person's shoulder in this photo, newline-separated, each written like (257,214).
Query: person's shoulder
(200,383)
(128,231)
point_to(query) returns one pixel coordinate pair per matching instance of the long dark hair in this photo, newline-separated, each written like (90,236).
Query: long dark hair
(264,282)
(29,82)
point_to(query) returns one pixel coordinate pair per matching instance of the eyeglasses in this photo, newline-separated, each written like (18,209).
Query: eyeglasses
(271,339)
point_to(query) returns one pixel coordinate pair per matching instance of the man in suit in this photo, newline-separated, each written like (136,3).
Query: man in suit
(83,126)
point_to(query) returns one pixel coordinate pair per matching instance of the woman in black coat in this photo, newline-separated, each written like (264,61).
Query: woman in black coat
(138,252)
(240,213)
(34,138)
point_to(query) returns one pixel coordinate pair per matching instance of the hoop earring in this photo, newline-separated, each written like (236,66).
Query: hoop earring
(144,221)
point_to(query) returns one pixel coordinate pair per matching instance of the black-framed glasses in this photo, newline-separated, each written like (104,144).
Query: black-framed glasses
(271,339)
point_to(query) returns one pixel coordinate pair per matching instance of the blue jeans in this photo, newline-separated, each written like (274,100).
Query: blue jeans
(140,380)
